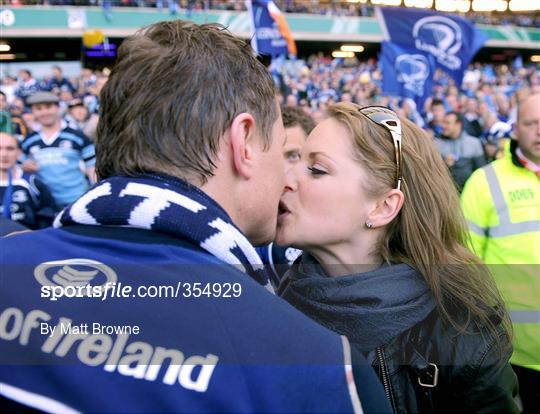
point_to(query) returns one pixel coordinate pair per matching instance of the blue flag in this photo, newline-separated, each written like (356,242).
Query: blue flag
(451,40)
(272,34)
(517,63)
(407,73)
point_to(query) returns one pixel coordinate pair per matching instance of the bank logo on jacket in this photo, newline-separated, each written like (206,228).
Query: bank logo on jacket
(74,272)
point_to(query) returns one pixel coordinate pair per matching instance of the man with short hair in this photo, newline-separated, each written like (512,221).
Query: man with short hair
(191,170)
(23,197)
(27,85)
(471,118)
(56,152)
(501,202)
(462,153)
(58,83)
(87,80)
(11,123)
(80,119)
(298,125)
(437,112)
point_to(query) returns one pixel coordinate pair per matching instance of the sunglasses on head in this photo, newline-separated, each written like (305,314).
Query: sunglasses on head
(387,118)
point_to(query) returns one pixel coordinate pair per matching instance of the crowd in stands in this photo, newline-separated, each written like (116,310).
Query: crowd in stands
(78,98)
(47,128)
(481,112)
(328,8)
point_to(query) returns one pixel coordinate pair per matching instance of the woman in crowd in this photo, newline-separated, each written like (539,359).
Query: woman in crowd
(373,207)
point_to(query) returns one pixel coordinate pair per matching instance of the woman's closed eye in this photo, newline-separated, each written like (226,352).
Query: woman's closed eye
(316,171)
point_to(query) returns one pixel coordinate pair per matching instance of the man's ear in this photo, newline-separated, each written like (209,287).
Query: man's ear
(241,134)
(388,207)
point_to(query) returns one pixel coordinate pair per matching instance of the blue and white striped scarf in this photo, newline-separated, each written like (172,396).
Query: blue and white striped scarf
(171,206)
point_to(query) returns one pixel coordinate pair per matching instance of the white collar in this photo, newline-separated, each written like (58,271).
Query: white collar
(17,174)
(54,136)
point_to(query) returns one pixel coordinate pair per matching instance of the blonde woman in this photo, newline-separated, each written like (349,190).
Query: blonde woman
(373,207)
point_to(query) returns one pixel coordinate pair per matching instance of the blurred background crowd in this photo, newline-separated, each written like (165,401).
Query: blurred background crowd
(330,8)
(471,123)
(483,107)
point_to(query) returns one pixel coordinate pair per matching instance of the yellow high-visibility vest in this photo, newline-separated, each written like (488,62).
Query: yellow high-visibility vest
(501,203)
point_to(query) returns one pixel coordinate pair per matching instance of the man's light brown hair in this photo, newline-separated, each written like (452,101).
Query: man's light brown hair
(174,91)
(293,116)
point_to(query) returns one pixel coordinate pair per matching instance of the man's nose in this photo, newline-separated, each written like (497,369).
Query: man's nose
(291,177)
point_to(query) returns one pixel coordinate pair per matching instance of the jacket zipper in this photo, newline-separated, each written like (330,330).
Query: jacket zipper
(385,378)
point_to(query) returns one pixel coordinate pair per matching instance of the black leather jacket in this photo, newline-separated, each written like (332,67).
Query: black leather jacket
(424,363)
(423,370)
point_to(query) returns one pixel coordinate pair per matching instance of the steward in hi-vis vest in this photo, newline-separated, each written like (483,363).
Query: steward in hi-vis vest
(502,205)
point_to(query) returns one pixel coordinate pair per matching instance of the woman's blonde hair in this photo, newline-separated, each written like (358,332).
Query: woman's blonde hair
(430,232)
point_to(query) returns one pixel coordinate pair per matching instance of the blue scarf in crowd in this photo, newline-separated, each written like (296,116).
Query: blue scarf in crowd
(171,206)
(8,195)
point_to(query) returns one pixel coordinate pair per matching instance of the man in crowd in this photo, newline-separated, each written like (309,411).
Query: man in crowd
(58,83)
(91,99)
(86,81)
(79,118)
(55,152)
(494,136)
(462,153)
(502,205)
(27,85)
(182,196)
(9,86)
(5,117)
(298,125)
(10,122)
(471,118)
(23,197)
(438,111)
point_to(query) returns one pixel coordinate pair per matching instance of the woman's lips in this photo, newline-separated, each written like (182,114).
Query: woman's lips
(282,210)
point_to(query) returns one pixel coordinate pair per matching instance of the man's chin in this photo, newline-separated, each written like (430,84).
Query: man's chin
(47,122)
(262,239)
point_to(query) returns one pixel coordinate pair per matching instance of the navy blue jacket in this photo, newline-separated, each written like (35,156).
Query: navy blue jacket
(211,353)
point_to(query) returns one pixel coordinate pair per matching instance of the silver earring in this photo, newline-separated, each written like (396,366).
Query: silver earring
(369,224)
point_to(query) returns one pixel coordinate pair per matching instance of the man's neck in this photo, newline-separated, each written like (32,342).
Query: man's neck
(49,131)
(4,173)
(458,136)
(530,157)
